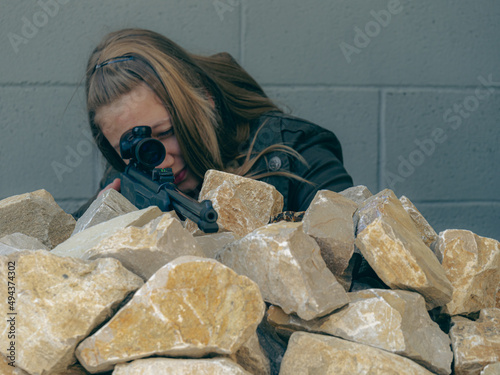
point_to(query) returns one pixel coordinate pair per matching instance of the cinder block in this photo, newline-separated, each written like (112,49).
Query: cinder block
(482,218)
(57,50)
(434,153)
(419,43)
(351,114)
(44,144)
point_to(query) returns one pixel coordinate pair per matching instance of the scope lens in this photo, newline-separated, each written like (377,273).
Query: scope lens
(150,152)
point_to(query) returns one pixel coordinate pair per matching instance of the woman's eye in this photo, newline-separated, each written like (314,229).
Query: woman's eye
(166,134)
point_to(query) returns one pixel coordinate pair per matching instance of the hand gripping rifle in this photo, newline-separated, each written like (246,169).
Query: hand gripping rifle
(144,185)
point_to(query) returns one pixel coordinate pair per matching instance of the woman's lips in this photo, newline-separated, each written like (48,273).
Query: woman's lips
(179,177)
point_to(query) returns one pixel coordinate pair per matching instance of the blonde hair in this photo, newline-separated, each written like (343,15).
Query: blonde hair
(211,100)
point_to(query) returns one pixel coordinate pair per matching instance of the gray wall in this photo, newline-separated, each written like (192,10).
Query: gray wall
(411,88)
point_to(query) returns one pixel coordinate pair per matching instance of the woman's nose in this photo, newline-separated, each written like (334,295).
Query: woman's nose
(168,162)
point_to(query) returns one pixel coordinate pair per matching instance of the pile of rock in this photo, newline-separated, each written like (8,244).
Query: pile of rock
(358,286)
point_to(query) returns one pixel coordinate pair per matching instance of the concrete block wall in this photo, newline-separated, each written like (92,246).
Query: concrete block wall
(412,89)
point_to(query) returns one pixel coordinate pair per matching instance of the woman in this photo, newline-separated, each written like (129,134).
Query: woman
(209,113)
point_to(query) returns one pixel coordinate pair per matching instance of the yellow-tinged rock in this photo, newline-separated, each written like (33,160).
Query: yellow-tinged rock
(77,245)
(493,369)
(36,215)
(476,344)
(243,204)
(310,353)
(472,264)
(174,366)
(427,233)
(329,221)
(146,249)
(191,307)
(403,261)
(252,357)
(10,369)
(287,265)
(384,204)
(58,302)
(393,320)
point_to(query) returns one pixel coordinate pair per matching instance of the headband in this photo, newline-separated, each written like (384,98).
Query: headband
(113,60)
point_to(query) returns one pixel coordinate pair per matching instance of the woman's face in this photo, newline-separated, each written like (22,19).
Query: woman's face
(142,107)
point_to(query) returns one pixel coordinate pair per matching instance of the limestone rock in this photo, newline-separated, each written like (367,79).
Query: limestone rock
(329,221)
(476,343)
(36,215)
(493,369)
(286,264)
(426,231)
(252,358)
(211,244)
(383,204)
(18,242)
(78,244)
(403,261)
(107,206)
(358,194)
(243,204)
(145,250)
(394,320)
(190,307)
(472,264)
(174,366)
(309,353)
(6,369)
(58,301)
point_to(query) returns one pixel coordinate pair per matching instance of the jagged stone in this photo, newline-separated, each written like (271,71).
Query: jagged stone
(493,369)
(329,221)
(18,242)
(107,206)
(403,261)
(146,249)
(174,366)
(383,204)
(394,320)
(12,369)
(286,264)
(36,215)
(190,307)
(211,244)
(497,305)
(472,264)
(358,194)
(310,353)
(58,302)
(243,204)
(252,358)
(427,233)
(85,240)
(476,343)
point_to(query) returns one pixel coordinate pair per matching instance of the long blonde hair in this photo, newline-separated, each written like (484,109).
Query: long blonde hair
(211,99)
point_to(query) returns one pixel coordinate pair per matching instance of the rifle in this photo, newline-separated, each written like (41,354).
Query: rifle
(144,185)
